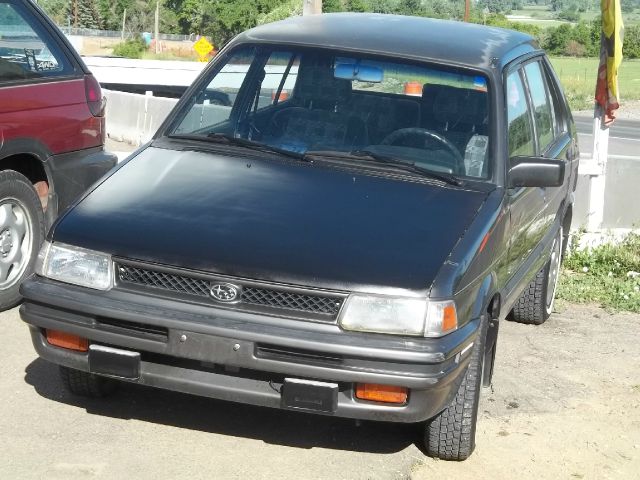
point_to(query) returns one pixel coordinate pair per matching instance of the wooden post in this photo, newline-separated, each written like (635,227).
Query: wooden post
(157,27)
(311,7)
(124,19)
(467,8)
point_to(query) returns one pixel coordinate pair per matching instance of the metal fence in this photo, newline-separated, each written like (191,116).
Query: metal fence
(91,32)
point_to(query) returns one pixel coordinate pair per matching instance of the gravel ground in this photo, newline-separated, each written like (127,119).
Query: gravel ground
(565,404)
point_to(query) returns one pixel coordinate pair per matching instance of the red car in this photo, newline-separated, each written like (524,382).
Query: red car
(51,135)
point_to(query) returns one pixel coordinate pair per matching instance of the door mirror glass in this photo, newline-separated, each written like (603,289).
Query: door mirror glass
(535,172)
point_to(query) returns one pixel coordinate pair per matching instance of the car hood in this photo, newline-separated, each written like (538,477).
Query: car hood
(267,219)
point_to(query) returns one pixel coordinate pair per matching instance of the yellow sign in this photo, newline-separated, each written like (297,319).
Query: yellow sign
(202,48)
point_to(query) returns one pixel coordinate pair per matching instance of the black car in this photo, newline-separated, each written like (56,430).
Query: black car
(335,241)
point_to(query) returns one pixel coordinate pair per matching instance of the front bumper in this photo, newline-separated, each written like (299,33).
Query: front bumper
(244,357)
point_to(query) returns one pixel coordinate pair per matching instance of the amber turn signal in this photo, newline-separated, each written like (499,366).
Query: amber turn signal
(449,318)
(381,393)
(67,340)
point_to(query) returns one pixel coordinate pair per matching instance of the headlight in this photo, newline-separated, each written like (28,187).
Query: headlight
(398,315)
(75,265)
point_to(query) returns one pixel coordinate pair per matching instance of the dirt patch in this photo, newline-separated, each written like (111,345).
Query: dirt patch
(565,402)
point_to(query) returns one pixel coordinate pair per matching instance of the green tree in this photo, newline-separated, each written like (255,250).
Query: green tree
(84,14)
(558,38)
(330,6)
(382,6)
(355,6)
(56,9)
(410,7)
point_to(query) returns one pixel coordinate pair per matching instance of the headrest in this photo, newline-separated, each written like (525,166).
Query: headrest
(320,87)
(455,105)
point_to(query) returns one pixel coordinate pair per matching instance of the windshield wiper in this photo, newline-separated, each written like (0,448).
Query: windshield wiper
(226,139)
(384,159)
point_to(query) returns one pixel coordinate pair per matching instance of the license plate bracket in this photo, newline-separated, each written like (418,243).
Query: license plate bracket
(309,395)
(114,362)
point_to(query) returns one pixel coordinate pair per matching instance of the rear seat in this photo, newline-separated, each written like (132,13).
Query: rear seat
(320,117)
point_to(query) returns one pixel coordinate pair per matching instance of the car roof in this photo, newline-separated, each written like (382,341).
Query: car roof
(446,41)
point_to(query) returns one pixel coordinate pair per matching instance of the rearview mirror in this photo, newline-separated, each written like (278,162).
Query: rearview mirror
(535,172)
(356,71)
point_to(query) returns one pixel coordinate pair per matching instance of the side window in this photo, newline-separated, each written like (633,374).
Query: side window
(26,50)
(520,131)
(542,111)
(558,102)
(280,73)
(214,103)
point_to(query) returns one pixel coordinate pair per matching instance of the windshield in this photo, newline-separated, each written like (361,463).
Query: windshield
(313,100)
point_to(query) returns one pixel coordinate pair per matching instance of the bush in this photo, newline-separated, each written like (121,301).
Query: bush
(575,49)
(133,48)
(631,44)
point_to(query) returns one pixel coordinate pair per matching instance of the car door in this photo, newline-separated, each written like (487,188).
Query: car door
(551,131)
(526,204)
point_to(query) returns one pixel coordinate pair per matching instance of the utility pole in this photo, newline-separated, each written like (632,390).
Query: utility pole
(311,7)
(467,7)
(124,19)
(156,26)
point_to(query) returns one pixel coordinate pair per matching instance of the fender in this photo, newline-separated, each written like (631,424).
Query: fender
(38,150)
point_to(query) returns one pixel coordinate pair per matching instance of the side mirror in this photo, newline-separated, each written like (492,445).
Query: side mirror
(536,172)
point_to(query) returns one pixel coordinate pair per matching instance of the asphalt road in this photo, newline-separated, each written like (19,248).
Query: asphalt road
(624,137)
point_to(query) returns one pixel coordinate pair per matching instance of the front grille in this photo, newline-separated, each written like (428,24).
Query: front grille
(294,301)
(166,281)
(252,296)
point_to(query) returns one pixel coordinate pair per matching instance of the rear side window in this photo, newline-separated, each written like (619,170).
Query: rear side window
(520,131)
(26,49)
(542,111)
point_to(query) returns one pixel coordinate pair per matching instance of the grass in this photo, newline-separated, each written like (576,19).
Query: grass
(578,77)
(606,275)
(543,16)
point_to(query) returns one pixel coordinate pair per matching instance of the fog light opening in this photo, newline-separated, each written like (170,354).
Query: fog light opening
(382,393)
(67,340)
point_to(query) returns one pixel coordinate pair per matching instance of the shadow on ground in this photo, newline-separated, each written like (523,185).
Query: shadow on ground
(181,410)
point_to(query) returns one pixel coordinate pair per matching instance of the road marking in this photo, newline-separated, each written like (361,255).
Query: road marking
(587,156)
(617,138)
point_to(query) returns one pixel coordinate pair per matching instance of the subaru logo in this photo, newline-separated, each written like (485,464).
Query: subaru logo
(224,292)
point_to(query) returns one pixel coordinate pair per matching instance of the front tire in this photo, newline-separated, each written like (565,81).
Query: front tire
(536,303)
(452,434)
(21,234)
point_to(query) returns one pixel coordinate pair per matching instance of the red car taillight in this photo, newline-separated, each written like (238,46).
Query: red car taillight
(95,101)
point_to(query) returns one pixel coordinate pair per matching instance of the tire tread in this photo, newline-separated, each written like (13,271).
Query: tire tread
(451,435)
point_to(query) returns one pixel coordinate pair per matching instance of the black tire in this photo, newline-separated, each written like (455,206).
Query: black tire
(452,434)
(87,384)
(534,306)
(17,194)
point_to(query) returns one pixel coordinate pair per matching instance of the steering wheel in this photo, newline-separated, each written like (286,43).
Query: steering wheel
(398,136)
